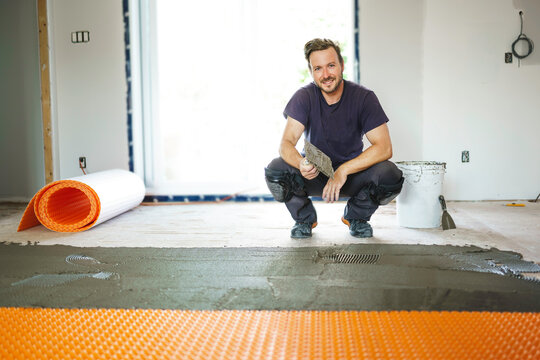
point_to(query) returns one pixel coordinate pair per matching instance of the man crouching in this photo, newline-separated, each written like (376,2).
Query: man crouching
(334,114)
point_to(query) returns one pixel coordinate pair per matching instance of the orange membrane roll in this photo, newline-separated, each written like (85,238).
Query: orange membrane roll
(79,203)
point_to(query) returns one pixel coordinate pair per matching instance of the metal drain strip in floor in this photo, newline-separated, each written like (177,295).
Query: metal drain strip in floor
(353,258)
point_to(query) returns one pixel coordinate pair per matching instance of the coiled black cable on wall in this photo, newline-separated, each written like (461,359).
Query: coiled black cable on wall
(522,37)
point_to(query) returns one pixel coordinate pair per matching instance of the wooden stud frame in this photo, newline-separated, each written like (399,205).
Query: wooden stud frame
(45,88)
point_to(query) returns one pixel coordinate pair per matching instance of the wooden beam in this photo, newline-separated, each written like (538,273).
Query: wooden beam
(45,88)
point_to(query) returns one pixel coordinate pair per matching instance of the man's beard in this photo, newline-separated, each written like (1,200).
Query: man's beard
(338,82)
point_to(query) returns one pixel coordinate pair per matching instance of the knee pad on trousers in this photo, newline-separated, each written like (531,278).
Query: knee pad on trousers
(282,184)
(383,194)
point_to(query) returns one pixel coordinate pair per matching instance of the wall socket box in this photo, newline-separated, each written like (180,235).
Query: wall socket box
(82,162)
(465,156)
(80,37)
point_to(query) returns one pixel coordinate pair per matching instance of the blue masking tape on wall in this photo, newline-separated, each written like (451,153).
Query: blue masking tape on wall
(127,46)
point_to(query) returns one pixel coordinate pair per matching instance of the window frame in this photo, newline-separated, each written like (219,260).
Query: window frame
(142,88)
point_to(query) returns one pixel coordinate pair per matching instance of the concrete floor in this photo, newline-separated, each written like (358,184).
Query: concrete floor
(484,224)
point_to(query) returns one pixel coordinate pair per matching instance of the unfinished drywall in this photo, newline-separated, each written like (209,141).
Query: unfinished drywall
(474,101)
(439,70)
(21,140)
(391,65)
(90,85)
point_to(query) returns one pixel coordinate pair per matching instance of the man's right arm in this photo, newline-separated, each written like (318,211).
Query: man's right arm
(288,152)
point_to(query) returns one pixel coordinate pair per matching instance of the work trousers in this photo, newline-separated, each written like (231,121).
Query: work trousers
(360,204)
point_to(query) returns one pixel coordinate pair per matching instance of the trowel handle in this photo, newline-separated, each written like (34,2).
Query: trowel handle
(443,203)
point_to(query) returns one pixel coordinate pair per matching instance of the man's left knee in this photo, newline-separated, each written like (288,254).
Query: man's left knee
(389,184)
(283,184)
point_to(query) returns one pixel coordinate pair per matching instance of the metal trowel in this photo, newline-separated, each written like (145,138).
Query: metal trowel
(319,159)
(446,221)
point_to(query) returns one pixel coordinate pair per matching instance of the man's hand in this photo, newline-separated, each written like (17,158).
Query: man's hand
(333,186)
(308,170)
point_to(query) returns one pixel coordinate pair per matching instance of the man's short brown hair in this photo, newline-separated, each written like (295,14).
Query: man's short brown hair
(321,44)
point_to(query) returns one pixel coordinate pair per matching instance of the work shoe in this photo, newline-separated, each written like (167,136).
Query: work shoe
(359,228)
(302,230)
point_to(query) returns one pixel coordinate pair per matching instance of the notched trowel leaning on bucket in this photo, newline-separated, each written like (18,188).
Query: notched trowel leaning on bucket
(319,159)
(446,221)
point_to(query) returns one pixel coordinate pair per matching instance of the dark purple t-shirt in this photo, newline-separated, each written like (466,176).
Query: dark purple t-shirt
(337,129)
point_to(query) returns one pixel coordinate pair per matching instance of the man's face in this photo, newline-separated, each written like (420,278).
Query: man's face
(326,70)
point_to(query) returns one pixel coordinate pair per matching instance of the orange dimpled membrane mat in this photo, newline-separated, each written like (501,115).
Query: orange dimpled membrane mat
(32,333)
(65,206)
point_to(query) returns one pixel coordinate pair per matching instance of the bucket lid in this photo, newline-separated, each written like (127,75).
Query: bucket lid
(421,165)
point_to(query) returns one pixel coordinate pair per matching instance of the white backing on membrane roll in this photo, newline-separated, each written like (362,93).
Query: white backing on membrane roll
(79,203)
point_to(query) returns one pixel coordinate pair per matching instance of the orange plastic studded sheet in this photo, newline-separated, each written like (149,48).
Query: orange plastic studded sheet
(79,203)
(28,333)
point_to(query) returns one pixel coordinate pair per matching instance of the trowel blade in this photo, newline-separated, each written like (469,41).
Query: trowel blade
(447,222)
(319,159)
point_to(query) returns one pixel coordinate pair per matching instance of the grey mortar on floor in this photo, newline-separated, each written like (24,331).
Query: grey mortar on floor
(347,277)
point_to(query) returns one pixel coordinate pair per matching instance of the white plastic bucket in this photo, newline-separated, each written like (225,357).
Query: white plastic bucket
(418,203)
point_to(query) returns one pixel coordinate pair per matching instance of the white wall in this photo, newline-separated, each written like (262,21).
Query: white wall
(438,67)
(21,141)
(474,101)
(391,65)
(90,86)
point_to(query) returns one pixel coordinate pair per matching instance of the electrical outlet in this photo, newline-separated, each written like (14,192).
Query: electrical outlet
(465,156)
(82,162)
